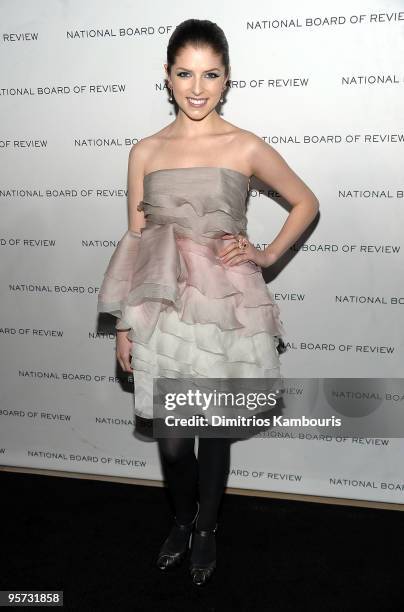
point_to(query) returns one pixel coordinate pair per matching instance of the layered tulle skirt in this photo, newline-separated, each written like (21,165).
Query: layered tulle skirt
(187,313)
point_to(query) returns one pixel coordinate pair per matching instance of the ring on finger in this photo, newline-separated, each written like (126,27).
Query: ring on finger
(242,243)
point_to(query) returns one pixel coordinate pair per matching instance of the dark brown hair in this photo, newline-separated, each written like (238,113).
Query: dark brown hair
(198,33)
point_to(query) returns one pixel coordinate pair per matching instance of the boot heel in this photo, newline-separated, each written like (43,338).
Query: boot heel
(201,572)
(176,545)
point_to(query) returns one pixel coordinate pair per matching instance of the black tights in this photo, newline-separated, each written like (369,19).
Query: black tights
(189,477)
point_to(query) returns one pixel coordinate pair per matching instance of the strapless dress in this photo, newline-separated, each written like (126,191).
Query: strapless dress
(187,313)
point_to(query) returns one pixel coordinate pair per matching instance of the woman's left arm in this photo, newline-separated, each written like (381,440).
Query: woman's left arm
(271,168)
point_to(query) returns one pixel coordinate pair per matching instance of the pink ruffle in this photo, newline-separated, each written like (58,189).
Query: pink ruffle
(158,269)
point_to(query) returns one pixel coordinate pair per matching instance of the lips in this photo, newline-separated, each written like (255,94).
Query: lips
(197,102)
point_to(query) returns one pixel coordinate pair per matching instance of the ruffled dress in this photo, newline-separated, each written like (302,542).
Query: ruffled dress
(187,313)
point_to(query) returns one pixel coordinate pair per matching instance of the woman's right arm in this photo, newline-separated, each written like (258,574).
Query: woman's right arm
(136,222)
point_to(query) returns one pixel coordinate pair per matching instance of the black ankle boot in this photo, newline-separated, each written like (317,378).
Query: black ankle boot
(203,555)
(176,544)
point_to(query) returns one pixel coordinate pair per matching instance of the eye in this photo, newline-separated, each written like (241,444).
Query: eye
(209,74)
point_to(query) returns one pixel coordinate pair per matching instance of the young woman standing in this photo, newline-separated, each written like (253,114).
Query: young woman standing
(185,283)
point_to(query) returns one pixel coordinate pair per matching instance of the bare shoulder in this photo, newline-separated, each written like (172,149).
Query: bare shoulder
(238,134)
(258,152)
(253,144)
(144,150)
(243,143)
(248,146)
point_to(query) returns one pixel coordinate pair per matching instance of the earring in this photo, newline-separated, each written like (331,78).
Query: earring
(171,94)
(221,97)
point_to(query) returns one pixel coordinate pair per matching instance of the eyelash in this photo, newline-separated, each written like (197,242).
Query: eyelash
(184,72)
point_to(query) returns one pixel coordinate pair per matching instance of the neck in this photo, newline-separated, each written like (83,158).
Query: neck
(190,128)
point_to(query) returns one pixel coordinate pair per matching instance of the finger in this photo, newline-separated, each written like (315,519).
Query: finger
(237,260)
(123,363)
(128,367)
(229,237)
(235,257)
(227,250)
(233,251)
(230,254)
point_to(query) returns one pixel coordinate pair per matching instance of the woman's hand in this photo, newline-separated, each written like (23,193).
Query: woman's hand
(123,346)
(233,255)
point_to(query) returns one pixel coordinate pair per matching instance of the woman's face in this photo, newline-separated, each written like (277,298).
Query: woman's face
(198,79)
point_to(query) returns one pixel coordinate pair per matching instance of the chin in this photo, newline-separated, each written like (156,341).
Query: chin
(197,114)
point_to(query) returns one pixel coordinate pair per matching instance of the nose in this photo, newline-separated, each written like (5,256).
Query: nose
(197,87)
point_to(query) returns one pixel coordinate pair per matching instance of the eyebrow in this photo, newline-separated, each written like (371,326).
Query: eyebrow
(187,69)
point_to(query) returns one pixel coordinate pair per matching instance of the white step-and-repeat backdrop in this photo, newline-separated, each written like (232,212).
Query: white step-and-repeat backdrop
(80,83)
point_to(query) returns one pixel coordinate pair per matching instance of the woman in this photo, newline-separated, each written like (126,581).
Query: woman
(186,287)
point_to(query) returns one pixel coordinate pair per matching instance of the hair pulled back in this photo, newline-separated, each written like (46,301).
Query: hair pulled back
(198,33)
